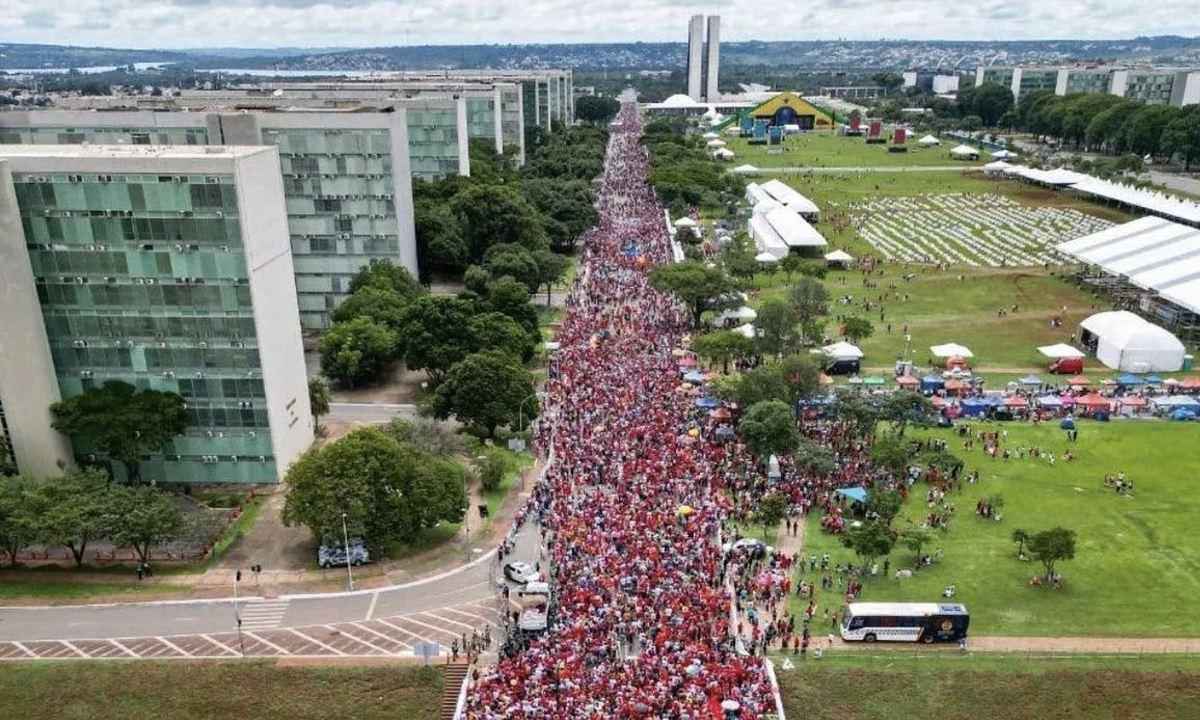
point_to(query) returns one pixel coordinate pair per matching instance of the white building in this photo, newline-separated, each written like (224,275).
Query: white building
(703,57)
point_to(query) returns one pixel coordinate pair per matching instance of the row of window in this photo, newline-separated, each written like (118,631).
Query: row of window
(190,261)
(143,359)
(146,297)
(146,326)
(114,230)
(132,197)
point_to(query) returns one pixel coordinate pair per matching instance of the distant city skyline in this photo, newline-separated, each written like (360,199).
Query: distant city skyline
(171,24)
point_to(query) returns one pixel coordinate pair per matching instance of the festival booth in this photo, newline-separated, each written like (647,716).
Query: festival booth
(1031,382)
(956,387)
(908,382)
(1066,360)
(964,152)
(1094,404)
(1048,406)
(1124,341)
(929,141)
(1133,404)
(839,259)
(1078,381)
(955,355)
(974,407)
(856,495)
(842,358)
(931,384)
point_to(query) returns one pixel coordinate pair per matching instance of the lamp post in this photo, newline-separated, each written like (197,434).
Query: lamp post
(346,539)
(521,412)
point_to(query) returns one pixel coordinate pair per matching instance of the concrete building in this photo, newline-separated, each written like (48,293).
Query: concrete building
(1156,86)
(346,175)
(695,58)
(712,58)
(931,82)
(704,58)
(165,267)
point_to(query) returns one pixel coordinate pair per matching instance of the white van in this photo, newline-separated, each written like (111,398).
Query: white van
(533,606)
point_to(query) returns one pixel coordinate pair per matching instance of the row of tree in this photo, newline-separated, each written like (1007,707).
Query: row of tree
(83,507)
(681,171)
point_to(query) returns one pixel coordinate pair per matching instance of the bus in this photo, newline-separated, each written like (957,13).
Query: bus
(905,622)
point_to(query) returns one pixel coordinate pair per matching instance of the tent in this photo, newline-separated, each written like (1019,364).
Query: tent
(1004,154)
(1129,380)
(745,169)
(974,407)
(1078,381)
(716,143)
(1094,401)
(746,330)
(695,377)
(685,222)
(842,351)
(964,152)
(744,313)
(723,154)
(766,257)
(839,257)
(932,383)
(1125,341)
(951,350)
(1050,401)
(1061,350)
(711,135)
(907,381)
(1031,380)
(929,141)
(1018,401)
(857,494)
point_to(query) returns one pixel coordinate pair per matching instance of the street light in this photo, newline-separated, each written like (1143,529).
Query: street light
(521,411)
(346,539)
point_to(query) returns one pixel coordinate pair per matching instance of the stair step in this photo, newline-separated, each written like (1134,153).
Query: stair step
(454,676)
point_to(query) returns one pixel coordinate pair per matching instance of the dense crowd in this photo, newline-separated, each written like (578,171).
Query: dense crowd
(631,502)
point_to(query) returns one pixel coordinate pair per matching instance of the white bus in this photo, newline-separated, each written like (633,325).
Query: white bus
(905,622)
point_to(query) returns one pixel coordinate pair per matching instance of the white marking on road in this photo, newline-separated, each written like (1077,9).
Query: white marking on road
(446,619)
(379,634)
(263,615)
(186,619)
(173,646)
(24,649)
(266,642)
(128,652)
(357,639)
(78,652)
(432,627)
(403,630)
(220,644)
(371,609)
(315,641)
(470,615)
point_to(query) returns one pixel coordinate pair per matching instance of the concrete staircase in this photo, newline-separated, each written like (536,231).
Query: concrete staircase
(455,676)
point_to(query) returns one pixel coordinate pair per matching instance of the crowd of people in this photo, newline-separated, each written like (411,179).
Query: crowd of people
(642,621)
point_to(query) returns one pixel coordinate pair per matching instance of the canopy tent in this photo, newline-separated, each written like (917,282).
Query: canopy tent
(745,313)
(746,330)
(1094,400)
(857,494)
(951,350)
(1124,341)
(929,141)
(766,257)
(839,257)
(842,351)
(1016,401)
(1133,400)
(1004,154)
(685,222)
(1053,401)
(964,152)
(907,381)
(723,154)
(996,167)
(716,143)
(745,169)
(1061,350)
(1078,381)
(1176,401)
(974,407)
(788,197)
(932,383)
(1031,380)
(1129,380)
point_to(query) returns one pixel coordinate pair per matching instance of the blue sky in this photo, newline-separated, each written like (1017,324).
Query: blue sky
(275,23)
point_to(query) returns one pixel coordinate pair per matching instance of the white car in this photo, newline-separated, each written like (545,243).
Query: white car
(520,572)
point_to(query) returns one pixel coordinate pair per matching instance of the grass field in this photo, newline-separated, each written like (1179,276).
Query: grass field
(1137,566)
(199,691)
(992,688)
(823,149)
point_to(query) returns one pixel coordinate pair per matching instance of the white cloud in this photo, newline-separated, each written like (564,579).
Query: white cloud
(259,23)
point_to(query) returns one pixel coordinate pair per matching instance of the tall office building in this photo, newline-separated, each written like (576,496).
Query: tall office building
(703,58)
(346,176)
(165,267)
(1155,86)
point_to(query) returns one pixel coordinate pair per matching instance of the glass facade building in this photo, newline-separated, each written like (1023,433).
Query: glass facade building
(434,148)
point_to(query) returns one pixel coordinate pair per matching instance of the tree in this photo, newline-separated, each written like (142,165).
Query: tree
(141,518)
(357,352)
(75,511)
(567,207)
(426,435)
(971,123)
(19,515)
(491,468)
(869,540)
(435,333)
(1020,537)
(550,268)
(1144,130)
(809,299)
(813,458)
(885,505)
(791,264)
(485,390)
(722,347)
(507,295)
(858,414)
(122,422)
(776,323)
(385,275)
(856,329)
(891,454)
(497,215)
(695,285)
(318,397)
(889,81)
(440,241)
(768,428)
(738,257)
(992,100)
(802,376)
(915,539)
(387,490)
(514,261)
(904,407)
(381,305)
(758,385)
(1182,137)
(771,511)
(497,331)
(476,280)
(596,109)
(1050,546)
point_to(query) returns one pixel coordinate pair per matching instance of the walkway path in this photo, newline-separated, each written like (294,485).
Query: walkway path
(796,170)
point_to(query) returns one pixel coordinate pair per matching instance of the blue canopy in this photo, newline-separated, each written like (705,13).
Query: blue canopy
(1185,413)
(1129,379)
(933,380)
(857,494)
(974,407)
(708,402)
(1153,380)
(694,376)
(1031,380)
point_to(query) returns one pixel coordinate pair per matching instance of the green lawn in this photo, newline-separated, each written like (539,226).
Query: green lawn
(825,149)
(105,690)
(991,688)
(1137,569)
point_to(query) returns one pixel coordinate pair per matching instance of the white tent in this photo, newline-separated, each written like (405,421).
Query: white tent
(711,136)
(1004,154)
(842,351)
(951,350)
(745,169)
(964,152)
(685,222)
(929,141)
(746,330)
(766,257)
(744,313)
(723,154)
(996,167)
(716,143)
(1127,342)
(1061,350)
(839,256)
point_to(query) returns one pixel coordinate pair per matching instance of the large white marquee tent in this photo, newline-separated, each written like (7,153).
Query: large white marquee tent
(1129,343)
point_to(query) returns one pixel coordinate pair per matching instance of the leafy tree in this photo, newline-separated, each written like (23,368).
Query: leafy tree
(476,280)
(440,241)
(723,346)
(567,207)
(758,385)
(771,511)
(869,540)
(813,458)
(426,435)
(802,376)
(859,415)
(318,397)
(776,323)
(485,390)
(971,123)
(738,257)
(8,464)
(696,285)
(497,215)
(856,329)
(791,264)
(435,333)
(381,305)
(509,296)
(768,429)
(944,461)
(357,352)
(904,407)
(809,298)
(550,268)
(1144,130)
(385,275)
(497,331)
(889,81)
(141,518)
(122,422)
(809,268)
(1020,537)
(1050,546)
(75,511)
(491,468)
(596,109)
(992,100)
(387,490)
(20,514)
(514,261)
(915,539)
(891,454)
(1182,137)
(884,504)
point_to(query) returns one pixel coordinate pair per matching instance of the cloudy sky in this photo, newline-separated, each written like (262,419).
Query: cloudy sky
(277,23)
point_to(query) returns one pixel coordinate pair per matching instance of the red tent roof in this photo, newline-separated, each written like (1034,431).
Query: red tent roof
(1016,401)
(907,380)
(1079,380)
(1094,399)
(1133,400)
(1190,382)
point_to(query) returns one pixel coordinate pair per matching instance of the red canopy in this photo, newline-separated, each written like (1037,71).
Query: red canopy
(1016,401)
(720,414)
(907,380)
(1094,400)
(1133,400)
(1079,380)
(1191,383)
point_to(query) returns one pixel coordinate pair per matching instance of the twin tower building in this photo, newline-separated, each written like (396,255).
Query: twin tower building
(185,244)
(703,58)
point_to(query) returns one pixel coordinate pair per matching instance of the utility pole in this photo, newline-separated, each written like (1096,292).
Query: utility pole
(346,539)
(237,615)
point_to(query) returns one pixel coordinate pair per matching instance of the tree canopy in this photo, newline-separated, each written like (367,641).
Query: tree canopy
(435,333)
(696,285)
(486,390)
(768,428)
(357,352)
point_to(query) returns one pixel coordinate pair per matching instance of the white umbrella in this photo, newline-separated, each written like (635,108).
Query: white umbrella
(951,350)
(685,222)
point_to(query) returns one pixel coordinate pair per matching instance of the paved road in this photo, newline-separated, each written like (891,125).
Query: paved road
(370,412)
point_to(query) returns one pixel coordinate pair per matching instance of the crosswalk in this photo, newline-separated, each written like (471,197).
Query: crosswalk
(263,614)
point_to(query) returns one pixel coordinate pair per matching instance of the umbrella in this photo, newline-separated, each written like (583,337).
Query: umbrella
(951,350)
(694,377)
(708,402)
(720,414)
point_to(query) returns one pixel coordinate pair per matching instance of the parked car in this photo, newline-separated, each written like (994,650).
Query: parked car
(1067,366)
(334,554)
(520,572)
